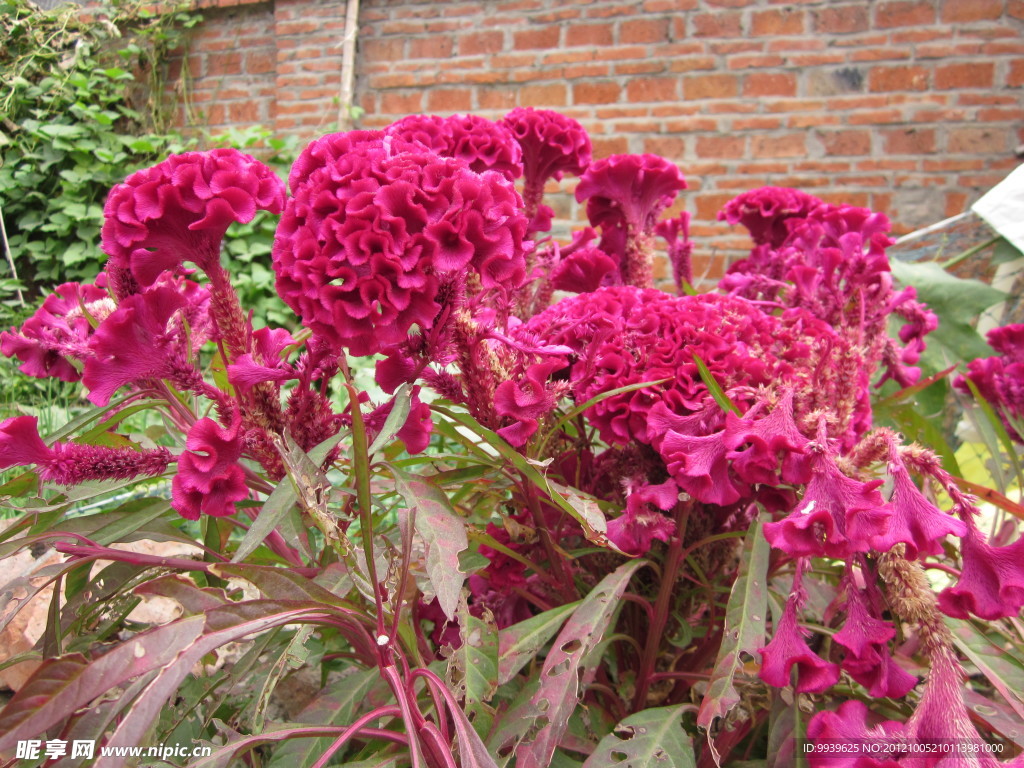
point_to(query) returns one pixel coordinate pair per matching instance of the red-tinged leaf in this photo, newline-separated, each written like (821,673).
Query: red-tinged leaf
(223,625)
(184,591)
(279,583)
(744,626)
(570,665)
(1000,667)
(473,667)
(653,738)
(223,757)
(519,644)
(62,686)
(18,592)
(472,752)
(995,716)
(444,534)
(992,497)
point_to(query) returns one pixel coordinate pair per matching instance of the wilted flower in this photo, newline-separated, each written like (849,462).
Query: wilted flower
(179,210)
(59,331)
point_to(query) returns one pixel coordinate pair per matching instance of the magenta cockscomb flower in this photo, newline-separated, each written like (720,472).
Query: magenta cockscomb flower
(866,638)
(179,210)
(415,432)
(1000,379)
(643,521)
(210,480)
(676,232)
(629,192)
(765,211)
(788,648)
(991,584)
(480,143)
(72,463)
(147,337)
(333,149)
(362,256)
(583,271)
(265,363)
(837,734)
(525,401)
(59,331)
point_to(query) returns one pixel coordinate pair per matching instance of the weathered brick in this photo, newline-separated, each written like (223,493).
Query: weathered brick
(905,14)
(844,143)
(967,75)
(883,79)
(1015,77)
(477,43)
(778,21)
(975,140)
(544,37)
(603,92)
(717,86)
(653,89)
(769,84)
(450,100)
(721,146)
(786,145)
(962,11)
(432,47)
(909,141)
(841,19)
(644,31)
(545,95)
(590,34)
(401,103)
(718,25)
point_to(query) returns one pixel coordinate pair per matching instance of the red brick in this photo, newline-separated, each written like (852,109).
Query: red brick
(644,31)
(710,87)
(590,34)
(787,145)
(497,98)
(640,67)
(718,25)
(842,19)
(543,37)
(1015,8)
(844,143)
(905,14)
(885,79)
(603,92)
(665,146)
(975,75)
(450,100)
(433,47)
(977,141)
(394,103)
(547,95)
(709,204)
(652,89)
(478,43)
(721,146)
(586,70)
(756,124)
(783,21)
(691,63)
(260,62)
(382,49)
(224,64)
(960,11)
(604,147)
(751,62)
(909,141)
(769,84)
(1015,77)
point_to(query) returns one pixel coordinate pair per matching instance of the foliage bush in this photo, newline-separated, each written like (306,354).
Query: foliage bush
(586,522)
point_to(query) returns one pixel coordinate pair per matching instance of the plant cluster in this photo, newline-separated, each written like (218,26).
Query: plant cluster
(587,522)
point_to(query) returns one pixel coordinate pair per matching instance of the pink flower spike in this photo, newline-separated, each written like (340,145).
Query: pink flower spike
(415,432)
(701,468)
(916,522)
(768,450)
(179,210)
(869,661)
(636,529)
(209,480)
(846,726)
(583,271)
(991,584)
(788,649)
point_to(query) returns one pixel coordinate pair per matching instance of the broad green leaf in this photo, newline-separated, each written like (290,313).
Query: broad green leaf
(957,302)
(519,644)
(400,408)
(570,666)
(274,509)
(444,534)
(653,738)
(744,625)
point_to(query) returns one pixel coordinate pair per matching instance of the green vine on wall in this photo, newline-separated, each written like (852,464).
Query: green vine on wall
(84,101)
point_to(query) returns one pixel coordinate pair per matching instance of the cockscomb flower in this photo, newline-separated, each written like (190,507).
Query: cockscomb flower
(333,149)
(552,146)
(415,431)
(59,331)
(147,337)
(643,521)
(210,480)
(676,232)
(848,725)
(72,463)
(265,363)
(1000,379)
(991,584)
(583,271)
(525,402)
(179,210)
(789,649)
(630,192)
(765,211)
(362,254)
(482,144)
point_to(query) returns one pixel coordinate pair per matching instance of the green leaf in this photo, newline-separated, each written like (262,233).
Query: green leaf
(571,665)
(653,738)
(473,668)
(1001,667)
(957,302)
(443,532)
(519,644)
(277,505)
(744,625)
(395,421)
(714,388)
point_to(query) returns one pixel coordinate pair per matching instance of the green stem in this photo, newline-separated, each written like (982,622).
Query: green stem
(970,252)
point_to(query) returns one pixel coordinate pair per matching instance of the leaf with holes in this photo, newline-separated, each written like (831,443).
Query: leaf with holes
(571,666)
(473,667)
(519,644)
(744,625)
(444,534)
(653,737)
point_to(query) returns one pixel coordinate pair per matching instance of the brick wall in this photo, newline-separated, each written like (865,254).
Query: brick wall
(913,107)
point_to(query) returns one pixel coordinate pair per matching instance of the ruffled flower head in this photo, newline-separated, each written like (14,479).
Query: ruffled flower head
(552,144)
(59,331)
(365,245)
(146,338)
(765,211)
(179,210)
(209,480)
(1000,379)
(480,143)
